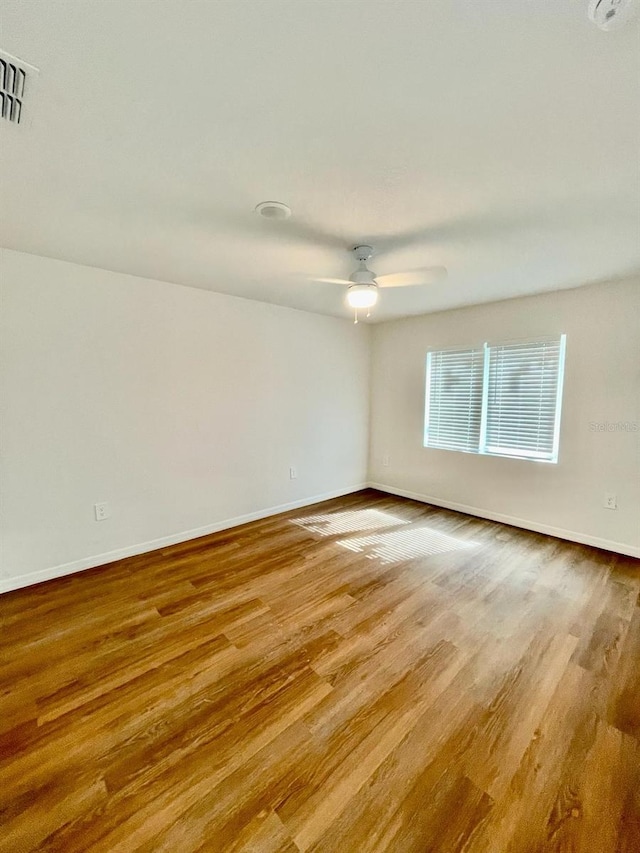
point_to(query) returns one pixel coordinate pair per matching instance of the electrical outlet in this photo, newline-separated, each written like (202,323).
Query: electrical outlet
(102,511)
(610,500)
(293,473)
(386,460)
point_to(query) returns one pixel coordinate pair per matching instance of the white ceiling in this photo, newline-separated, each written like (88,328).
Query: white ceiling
(499,138)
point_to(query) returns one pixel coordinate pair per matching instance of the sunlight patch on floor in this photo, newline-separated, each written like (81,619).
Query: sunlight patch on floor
(394,546)
(336,523)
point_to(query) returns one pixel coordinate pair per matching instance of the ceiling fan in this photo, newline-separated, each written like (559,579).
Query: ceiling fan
(363,285)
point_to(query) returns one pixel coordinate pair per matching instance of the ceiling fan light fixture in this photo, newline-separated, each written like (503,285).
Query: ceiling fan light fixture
(362,295)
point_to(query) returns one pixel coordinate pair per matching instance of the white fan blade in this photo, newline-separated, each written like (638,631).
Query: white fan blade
(342,281)
(412,278)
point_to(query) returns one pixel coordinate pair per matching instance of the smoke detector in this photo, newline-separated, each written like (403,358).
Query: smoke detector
(273,210)
(611,14)
(16,83)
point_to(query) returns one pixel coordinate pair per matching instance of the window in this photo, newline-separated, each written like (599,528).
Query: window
(454,399)
(501,400)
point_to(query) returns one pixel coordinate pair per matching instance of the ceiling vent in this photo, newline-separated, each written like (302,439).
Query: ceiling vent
(16,78)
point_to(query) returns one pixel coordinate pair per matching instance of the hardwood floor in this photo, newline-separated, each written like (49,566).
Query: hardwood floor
(369,674)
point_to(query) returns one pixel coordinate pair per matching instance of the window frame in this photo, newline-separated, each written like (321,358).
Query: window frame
(450,351)
(486,348)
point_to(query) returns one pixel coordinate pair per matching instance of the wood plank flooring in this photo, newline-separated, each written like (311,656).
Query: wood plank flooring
(369,674)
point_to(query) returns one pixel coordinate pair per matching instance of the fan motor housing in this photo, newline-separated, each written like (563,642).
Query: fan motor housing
(363,277)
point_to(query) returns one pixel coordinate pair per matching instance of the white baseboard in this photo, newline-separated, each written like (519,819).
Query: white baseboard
(559,532)
(8,584)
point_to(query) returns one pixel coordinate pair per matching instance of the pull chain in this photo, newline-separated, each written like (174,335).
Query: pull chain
(356,319)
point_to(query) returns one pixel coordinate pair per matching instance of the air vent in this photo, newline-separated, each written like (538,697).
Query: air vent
(15,80)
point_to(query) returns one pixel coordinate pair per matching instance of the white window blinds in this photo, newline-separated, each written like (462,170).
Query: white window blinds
(524,392)
(501,400)
(454,399)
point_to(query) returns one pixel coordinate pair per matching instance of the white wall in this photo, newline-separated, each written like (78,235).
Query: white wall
(602,384)
(182,408)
